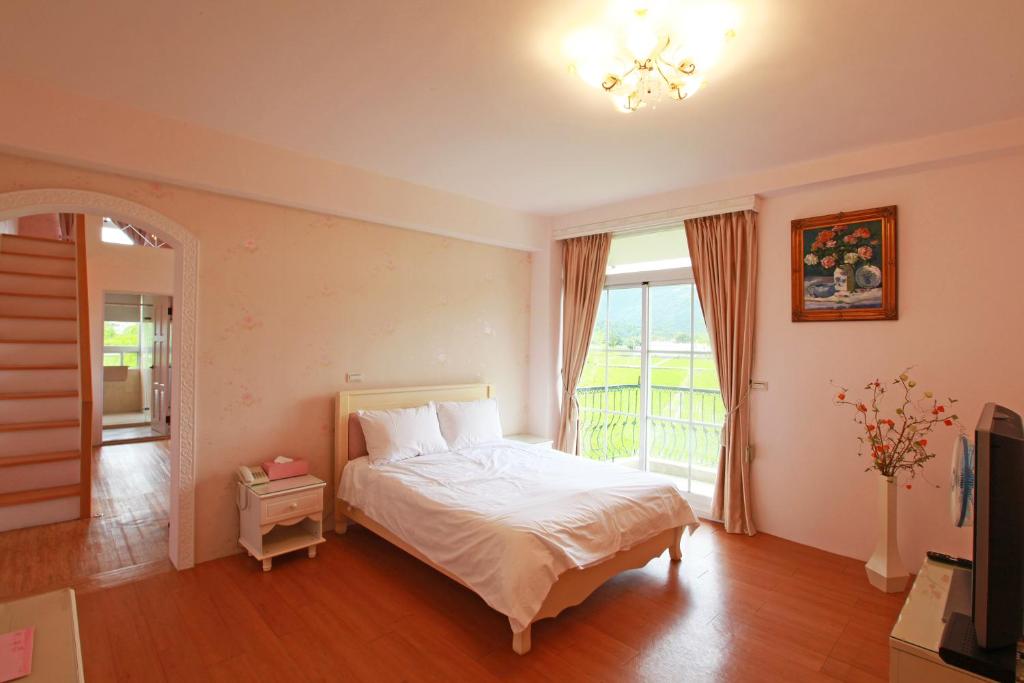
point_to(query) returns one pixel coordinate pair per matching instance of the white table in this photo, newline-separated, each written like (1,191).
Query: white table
(914,641)
(56,651)
(281,516)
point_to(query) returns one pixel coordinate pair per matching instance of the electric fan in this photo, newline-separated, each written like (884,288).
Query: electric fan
(961,493)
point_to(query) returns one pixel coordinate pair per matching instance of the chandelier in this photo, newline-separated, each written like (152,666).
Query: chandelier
(645,51)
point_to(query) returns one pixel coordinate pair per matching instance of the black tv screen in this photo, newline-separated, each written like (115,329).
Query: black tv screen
(998,599)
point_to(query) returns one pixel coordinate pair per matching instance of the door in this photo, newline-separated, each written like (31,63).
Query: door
(649,395)
(161,365)
(685,411)
(610,393)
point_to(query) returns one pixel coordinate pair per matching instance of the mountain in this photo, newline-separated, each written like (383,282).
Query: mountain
(670,315)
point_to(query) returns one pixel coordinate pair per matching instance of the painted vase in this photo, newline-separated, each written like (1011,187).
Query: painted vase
(844,279)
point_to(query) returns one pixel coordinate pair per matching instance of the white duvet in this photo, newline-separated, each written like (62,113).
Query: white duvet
(507,519)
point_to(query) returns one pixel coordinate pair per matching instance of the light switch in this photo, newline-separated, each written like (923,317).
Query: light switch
(353,377)
(758,385)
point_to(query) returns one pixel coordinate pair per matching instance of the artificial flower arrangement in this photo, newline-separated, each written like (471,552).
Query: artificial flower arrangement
(901,444)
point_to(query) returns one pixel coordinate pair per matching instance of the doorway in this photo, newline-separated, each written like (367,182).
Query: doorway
(136,367)
(181,447)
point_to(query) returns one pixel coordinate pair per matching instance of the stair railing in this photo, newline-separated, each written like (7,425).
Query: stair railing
(84,369)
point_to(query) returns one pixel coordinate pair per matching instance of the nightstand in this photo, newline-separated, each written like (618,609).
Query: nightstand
(532,440)
(281,516)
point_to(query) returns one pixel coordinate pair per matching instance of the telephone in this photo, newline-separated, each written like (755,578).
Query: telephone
(248,476)
(252,475)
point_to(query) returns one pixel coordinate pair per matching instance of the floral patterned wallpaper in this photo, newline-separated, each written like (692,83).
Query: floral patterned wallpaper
(289,301)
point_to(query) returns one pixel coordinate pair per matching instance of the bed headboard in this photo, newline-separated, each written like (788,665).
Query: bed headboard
(348,435)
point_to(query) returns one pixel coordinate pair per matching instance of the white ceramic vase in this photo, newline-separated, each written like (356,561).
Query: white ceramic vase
(885,568)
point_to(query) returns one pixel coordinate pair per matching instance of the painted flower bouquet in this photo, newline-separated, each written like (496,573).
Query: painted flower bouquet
(843,251)
(901,444)
(832,248)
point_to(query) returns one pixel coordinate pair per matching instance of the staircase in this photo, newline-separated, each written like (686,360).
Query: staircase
(45,387)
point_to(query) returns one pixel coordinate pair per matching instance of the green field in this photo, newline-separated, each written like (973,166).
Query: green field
(623,367)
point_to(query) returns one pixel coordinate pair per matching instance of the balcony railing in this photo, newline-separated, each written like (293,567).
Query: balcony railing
(684,428)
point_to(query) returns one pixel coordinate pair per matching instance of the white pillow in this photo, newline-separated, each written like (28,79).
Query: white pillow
(467,423)
(393,435)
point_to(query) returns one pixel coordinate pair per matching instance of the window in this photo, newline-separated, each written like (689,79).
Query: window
(124,233)
(127,358)
(121,343)
(649,396)
(116,333)
(648,251)
(112,234)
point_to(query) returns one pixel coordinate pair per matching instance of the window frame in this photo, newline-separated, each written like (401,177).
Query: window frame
(645,280)
(122,349)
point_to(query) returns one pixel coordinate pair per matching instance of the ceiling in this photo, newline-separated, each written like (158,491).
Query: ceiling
(473,97)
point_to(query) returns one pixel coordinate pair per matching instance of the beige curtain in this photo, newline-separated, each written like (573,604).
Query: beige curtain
(584,260)
(723,250)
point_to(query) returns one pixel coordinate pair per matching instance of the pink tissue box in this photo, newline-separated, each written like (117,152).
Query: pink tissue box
(283,470)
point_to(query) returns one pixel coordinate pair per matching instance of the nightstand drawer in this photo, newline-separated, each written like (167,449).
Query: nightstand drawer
(283,507)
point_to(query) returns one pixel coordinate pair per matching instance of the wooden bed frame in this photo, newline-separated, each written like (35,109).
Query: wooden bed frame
(571,588)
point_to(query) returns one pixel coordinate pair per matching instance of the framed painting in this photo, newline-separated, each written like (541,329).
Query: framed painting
(844,266)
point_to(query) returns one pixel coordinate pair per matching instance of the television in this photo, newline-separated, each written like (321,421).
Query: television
(998,576)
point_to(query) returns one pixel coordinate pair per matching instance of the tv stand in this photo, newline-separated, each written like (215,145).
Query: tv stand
(917,636)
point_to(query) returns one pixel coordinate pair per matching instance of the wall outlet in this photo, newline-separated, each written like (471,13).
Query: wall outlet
(758,385)
(353,377)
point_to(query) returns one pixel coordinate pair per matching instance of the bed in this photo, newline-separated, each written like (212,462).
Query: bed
(470,494)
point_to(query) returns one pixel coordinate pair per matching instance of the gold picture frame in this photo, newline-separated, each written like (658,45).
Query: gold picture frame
(844,266)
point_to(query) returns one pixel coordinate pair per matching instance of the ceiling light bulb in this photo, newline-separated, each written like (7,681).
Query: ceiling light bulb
(642,39)
(622,103)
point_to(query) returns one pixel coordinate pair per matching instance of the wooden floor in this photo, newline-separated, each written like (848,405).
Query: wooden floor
(136,434)
(131,488)
(735,609)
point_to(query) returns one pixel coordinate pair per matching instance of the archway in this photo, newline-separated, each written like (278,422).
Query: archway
(186,250)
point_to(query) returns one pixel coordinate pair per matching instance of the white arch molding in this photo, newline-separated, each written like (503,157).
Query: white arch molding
(186,275)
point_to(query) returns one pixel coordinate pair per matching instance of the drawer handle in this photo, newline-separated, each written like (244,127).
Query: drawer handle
(293,506)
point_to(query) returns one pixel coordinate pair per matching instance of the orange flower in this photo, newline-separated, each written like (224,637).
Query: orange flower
(862,408)
(872,428)
(908,486)
(941,409)
(841,396)
(922,443)
(948,422)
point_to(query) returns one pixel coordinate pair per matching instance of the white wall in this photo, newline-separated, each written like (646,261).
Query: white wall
(111,136)
(545,325)
(961,319)
(118,268)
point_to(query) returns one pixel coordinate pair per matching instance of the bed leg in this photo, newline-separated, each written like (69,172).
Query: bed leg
(675,550)
(521,641)
(340,522)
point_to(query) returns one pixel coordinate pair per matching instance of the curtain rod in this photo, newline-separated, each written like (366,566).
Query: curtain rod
(658,220)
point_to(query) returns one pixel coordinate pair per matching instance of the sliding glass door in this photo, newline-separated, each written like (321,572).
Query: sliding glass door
(649,397)
(609,393)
